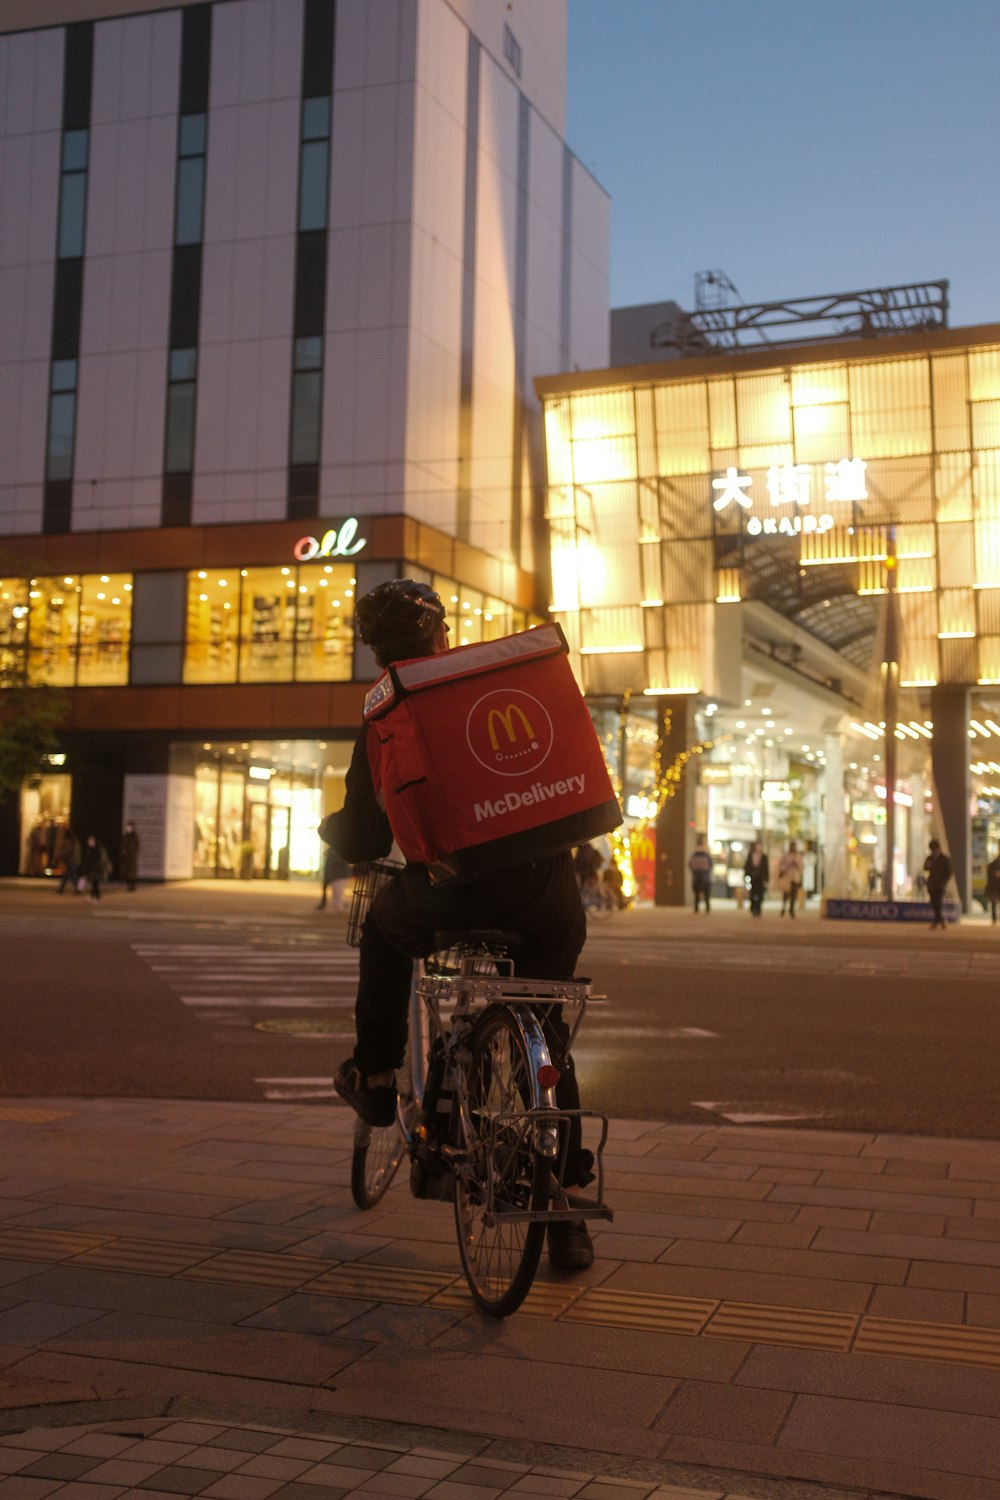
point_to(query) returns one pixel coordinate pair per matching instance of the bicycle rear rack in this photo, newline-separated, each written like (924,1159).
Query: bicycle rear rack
(577,1206)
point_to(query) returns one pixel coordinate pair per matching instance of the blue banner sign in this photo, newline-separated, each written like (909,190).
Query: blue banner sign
(849,910)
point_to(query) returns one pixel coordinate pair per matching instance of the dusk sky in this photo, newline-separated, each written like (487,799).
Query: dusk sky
(800,146)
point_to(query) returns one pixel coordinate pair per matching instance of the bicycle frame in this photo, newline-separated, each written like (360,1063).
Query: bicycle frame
(478,1119)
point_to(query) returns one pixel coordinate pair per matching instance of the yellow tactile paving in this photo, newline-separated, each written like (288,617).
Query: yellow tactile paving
(145,1257)
(807,1328)
(802,1326)
(616,1309)
(545,1300)
(951,1342)
(380,1283)
(46,1244)
(256,1268)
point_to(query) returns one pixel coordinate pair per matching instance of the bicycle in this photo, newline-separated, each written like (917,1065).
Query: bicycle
(476,1111)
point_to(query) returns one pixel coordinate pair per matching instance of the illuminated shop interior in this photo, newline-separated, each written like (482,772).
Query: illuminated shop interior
(72,630)
(257,805)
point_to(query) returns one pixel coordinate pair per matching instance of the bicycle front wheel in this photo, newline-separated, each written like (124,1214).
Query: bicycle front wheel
(378,1152)
(503,1176)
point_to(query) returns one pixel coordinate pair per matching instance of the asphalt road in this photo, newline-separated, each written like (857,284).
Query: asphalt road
(187,993)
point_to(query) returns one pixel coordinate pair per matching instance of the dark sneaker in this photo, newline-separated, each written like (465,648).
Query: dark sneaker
(570,1246)
(376,1106)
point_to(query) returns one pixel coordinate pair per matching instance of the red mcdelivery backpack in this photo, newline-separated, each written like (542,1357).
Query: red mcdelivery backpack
(485,756)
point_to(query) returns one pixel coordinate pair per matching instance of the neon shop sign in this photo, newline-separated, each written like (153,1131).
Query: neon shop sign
(333,543)
(790,491)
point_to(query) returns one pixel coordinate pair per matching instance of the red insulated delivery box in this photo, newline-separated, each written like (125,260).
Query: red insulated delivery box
(486,756)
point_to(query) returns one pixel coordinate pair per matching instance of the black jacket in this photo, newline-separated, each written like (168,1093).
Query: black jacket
(360,830)
(759,875)
(938,870)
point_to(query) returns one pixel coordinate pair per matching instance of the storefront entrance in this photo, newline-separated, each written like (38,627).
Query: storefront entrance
(269,828)
(258,806)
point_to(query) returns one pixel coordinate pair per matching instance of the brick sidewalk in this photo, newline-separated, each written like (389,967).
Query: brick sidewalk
(772,1310)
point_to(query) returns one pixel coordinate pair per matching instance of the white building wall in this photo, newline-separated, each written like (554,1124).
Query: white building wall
(434,371)
(393,366)
(494,347)
(590,322)
(539,27)
(248,267)
(368,278)
(31,116)
(126,282)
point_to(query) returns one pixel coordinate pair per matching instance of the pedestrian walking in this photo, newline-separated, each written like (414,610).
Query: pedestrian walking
(757,873)
(700,865)
(95,867)
(128,856)
(790,878)
(336,873)
(70,854)
(937,869)
(993,887)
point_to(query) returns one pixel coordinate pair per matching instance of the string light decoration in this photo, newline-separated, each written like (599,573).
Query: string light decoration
(663,785)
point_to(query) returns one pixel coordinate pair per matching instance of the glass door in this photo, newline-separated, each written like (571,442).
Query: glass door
(277,852)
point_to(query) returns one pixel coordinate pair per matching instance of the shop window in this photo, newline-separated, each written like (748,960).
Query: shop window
(324,628)
(213,625)
(75,630)
(45,804)
(267,624)
(474,617)
(470,617)
(13,628)
(447,588)
(54,616)
(105,628)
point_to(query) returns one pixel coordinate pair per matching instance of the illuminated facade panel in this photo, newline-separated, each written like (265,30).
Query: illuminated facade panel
(670,493)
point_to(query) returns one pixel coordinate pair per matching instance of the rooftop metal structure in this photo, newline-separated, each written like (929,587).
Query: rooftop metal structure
(720,324)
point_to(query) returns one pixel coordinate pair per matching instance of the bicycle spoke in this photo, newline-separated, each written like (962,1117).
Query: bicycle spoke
(504,1174)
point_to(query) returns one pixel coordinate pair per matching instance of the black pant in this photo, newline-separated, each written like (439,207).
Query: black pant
(937,901)
(790,896)
(756,899)
(701,893)
(540,901)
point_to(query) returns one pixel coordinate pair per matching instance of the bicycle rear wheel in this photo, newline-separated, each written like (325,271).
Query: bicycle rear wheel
(504,1174)
(378,1152)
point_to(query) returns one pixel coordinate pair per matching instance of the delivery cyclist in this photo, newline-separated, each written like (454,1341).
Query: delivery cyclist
(539,899)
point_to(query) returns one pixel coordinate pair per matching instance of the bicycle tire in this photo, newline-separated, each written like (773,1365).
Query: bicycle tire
(378,1151)
(499,1261)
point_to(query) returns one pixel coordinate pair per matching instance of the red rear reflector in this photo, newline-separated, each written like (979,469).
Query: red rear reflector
(548,1076)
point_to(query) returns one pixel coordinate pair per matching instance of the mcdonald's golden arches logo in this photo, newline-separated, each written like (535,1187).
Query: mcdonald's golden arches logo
(509,732)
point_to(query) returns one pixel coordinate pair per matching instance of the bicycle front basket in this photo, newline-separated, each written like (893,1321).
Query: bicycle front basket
(368,881)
